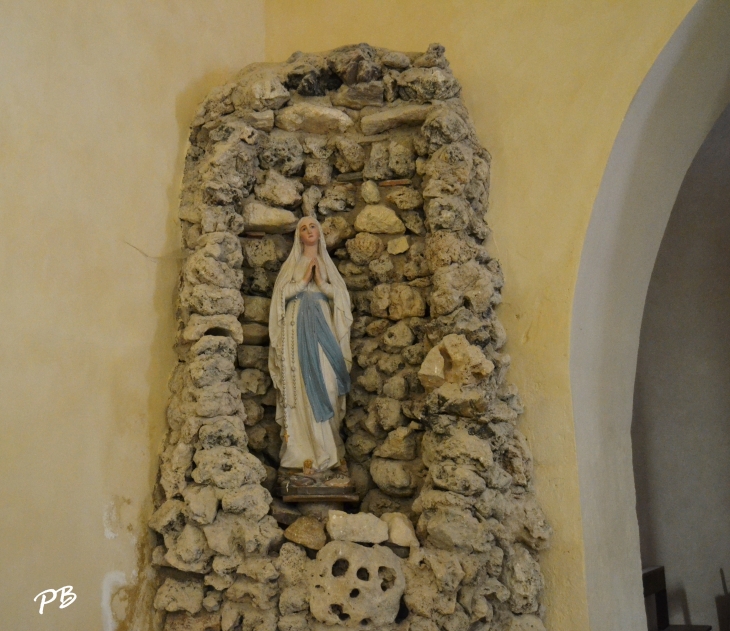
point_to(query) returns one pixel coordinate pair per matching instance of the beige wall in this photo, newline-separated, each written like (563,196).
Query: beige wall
(548,85)
(96,99)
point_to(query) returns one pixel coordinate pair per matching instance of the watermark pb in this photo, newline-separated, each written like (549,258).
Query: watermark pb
(49,595)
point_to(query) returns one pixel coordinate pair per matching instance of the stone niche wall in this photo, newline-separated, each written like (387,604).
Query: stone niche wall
(379,146)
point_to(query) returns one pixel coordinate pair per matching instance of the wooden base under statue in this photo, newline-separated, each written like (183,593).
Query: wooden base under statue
(296,486)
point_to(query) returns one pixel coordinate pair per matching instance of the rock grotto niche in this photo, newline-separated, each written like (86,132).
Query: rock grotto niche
(379,147)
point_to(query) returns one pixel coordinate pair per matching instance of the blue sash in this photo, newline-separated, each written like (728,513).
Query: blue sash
(313,332)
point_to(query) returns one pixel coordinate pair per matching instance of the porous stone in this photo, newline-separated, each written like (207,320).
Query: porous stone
(251,500)
(364,248)
(399,445)
(253,357)
(256,309)
(370,192)
(182,621)
(352,584)
(395,59)
(201,503)
(310,199)
(455,285)
(393,477)
(336,231)
(456,361)
(359,95)
(457,478)
(308,532)
(313,118)
(227,468)
(175,464)
(379,219)
(433,578)
(317,172)
(398,245)
(175,595)
(281,151)
(427,84)
(278,190)
(359,528)
(259,88)
(349,155)
(391,117)
(397,301)
(376,167)
(336,198)
(524,580)
(199,325)
(190,552)
(259,217)
(443,126)
(405,198)
(211,300)
(267,252)
(400,530)
(401,160)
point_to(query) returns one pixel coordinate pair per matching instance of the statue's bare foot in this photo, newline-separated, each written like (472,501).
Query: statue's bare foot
(308,468)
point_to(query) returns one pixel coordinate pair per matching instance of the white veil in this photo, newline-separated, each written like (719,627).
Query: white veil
(341,317)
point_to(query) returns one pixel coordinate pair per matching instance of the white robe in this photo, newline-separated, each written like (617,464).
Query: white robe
(303,438)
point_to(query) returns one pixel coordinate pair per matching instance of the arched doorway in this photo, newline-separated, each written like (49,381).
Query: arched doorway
(681,431)
(679,101)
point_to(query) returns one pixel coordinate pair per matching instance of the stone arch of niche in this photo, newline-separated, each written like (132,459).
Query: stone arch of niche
(379,146)
(678,102)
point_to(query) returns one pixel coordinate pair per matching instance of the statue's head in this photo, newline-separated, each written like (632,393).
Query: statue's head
(308,231)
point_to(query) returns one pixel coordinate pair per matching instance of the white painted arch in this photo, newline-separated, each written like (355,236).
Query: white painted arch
(680,99)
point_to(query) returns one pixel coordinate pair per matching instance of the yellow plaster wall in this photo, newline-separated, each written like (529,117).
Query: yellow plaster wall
(95,102)
(548,85)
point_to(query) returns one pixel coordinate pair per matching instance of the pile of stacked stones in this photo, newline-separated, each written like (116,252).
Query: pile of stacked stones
(379,146)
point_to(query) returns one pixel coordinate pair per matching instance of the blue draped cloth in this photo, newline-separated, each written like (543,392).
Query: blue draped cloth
(314,333)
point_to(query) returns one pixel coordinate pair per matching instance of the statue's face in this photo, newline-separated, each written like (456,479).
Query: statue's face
(308,232)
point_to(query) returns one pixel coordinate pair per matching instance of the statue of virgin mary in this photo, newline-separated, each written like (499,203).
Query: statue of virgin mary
(310,357)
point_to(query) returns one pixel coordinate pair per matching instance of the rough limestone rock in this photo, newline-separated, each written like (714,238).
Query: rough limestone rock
(279,190)
(355,586)
(370,192)
(227,467)
(379,146)
(400,530)
(336,231)
(364,248)
(308,532)
(456,361)
(359,95)
(393,117)
(359,528)
(523,578)
(398,245)
(201,504)
(393,477)
(379,220)
(199,325)
(313,118)
(259,217)
(174,595)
